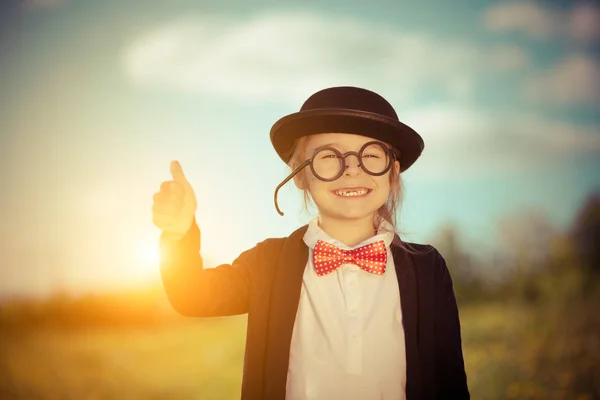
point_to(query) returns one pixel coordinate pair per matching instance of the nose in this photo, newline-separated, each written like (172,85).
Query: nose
(352,165)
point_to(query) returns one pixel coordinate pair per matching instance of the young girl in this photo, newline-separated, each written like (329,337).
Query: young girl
(342,308)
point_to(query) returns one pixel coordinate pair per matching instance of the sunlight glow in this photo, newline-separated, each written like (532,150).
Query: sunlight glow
(147,258)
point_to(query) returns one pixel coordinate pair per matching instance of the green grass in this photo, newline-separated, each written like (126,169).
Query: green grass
(201,360)
(512,352)
(523,352)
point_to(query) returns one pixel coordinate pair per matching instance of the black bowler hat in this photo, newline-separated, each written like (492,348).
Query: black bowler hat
(351,110)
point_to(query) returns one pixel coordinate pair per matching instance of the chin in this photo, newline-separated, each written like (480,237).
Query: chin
(347,212)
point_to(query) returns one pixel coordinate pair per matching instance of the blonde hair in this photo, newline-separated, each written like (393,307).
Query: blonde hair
(387,212)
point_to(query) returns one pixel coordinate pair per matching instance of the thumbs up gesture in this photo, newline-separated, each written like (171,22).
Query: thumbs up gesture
(175,204)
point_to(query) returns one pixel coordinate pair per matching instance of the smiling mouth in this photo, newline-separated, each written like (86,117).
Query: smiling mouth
(354,192)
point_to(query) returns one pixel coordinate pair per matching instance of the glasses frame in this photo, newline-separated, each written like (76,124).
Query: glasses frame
(392,154)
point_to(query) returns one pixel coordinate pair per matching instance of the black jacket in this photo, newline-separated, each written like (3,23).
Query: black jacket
(265,282)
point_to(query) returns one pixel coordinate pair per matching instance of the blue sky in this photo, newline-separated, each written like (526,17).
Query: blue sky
(103,95)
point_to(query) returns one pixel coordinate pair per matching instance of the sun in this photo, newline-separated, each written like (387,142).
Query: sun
(149,253)
(147,258)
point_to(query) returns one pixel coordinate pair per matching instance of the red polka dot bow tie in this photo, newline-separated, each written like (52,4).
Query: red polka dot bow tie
(371,258)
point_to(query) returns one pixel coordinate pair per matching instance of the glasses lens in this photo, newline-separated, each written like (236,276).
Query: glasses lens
(375,159)
(327,164)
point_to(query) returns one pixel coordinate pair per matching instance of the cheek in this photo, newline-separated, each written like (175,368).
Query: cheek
(317,188)
(311,180)
(315,185)
(384,186)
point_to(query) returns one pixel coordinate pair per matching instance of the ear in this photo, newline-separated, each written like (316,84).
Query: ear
(397,167)
(299,180)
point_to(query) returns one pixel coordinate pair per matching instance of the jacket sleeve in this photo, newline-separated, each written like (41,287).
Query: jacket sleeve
(450,369)
(197,292)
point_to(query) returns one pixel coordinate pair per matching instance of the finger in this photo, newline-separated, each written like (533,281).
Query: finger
(168,201)
(172,189)
(162,222)
(177,172)
(165,198)
(165,187)
(168,211)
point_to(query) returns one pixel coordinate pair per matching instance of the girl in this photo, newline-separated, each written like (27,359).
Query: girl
(342,308)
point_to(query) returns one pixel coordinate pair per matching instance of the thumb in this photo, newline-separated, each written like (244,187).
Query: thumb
(177,172)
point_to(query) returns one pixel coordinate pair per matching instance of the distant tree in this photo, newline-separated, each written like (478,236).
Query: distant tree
(460,263)
(525,238)
(525,242)
(540,259)
(585,231)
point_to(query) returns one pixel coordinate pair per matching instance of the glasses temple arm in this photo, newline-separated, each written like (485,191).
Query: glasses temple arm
(286,180)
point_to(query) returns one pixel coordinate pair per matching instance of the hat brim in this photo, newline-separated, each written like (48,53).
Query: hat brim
(403,138)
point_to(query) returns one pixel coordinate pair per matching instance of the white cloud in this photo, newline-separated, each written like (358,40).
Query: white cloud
(464,143)
(581,22)
(527,17)
(284,56)
(575,80)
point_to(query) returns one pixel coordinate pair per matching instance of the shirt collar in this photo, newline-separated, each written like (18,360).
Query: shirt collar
(314,233)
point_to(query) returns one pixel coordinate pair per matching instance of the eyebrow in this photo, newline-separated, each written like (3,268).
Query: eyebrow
(325,145)
(333,144)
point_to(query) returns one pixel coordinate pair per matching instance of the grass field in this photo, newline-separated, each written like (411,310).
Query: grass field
(511,352)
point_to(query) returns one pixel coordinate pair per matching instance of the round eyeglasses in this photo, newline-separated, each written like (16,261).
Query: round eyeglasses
(328,163)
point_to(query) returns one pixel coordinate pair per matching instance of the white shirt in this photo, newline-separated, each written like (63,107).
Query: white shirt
(348,339)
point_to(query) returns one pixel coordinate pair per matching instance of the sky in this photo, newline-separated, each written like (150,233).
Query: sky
(99,96)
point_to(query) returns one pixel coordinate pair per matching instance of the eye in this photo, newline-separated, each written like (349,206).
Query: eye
(326,154)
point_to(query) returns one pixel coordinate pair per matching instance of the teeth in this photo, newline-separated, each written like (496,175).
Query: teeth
(351,193)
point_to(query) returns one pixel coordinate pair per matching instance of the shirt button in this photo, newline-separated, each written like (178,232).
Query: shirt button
(352,311)
(353,334)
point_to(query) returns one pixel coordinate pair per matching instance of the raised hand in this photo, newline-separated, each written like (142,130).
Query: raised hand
(174,204)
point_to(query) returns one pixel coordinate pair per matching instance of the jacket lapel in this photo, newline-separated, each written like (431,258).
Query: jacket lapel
(407,283)
(285,296)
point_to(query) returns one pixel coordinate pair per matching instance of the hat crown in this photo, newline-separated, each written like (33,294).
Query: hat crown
(350,98)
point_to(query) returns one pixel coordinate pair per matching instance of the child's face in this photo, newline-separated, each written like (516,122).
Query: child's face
(324,194)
